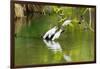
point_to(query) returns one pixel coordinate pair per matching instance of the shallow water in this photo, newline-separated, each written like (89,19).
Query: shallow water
(31,49)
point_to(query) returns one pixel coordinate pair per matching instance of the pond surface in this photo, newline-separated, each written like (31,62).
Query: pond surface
(30,49)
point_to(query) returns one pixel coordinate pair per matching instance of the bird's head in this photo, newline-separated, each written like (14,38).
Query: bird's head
(66,22)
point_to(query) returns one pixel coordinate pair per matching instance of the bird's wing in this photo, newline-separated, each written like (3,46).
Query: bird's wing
(46,34)
(50,32)
(57,35)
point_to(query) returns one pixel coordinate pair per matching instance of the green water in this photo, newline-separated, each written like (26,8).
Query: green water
(30,49)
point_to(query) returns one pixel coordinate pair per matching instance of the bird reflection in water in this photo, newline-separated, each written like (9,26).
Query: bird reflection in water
(55,47)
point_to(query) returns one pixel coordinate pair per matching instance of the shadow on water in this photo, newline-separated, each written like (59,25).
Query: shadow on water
(30,48)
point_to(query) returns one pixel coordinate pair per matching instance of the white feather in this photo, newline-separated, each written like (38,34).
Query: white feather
(50,32)
(66,22)
(56,36)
